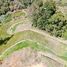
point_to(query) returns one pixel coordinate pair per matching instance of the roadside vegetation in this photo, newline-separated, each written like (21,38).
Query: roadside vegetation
(21,45)
(59,50)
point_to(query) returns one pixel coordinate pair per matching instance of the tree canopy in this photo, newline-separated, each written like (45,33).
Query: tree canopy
(47,18)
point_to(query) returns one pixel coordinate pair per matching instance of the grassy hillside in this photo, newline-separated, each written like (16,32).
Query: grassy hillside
(58,48)
(35,24)
(23,44)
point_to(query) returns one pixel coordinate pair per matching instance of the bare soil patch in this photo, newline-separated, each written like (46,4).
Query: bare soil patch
(28,58)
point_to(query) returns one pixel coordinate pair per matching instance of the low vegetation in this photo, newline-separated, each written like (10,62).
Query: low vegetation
(4,40)
(21,45)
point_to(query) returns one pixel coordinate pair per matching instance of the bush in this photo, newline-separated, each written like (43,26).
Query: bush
(5,18)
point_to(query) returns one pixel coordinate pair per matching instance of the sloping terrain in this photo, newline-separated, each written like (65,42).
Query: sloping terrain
(29,46)
(29,58)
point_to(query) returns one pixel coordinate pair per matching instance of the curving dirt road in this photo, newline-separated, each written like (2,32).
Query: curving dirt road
(56,41)
(29,58)
(28,26)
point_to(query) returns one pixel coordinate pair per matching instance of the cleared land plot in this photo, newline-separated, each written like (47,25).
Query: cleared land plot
(23,44)
(30,57)
(57,48)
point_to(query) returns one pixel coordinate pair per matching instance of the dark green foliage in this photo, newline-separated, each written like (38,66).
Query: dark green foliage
(59,24)
(46,18)
(27,3)
(11,5)
(4,40)
(43,13)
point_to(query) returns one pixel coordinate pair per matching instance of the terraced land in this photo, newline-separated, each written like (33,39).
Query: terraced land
(30,47)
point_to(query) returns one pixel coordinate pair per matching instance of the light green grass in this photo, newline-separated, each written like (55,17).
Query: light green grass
(23,44)
(58,49)
(22,36)
(18,14)
(7,25)
(64,56)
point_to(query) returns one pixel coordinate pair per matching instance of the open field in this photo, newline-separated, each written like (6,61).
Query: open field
(23,44)
(29,57)
(59,49)
(37,47)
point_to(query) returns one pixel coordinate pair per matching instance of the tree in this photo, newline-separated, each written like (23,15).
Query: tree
(5,39)
(43,13)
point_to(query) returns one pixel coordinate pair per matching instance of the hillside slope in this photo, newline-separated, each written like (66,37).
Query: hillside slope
(23,45)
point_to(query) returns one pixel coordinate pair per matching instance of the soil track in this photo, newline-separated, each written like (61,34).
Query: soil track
(29,58)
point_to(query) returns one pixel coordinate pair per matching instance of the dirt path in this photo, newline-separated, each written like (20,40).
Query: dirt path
(30,58)
(27,26)
(50,37)
(38,65)
(47,54)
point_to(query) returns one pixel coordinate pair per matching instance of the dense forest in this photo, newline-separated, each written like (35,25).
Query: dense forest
(46,17)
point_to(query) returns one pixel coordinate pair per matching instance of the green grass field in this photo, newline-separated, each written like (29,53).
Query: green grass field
(5,26)
(60,50)
(23,44)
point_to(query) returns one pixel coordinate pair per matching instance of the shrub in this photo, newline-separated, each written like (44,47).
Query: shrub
(4,40)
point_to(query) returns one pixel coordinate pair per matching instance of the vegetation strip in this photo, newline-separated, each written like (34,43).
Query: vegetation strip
(7,50)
